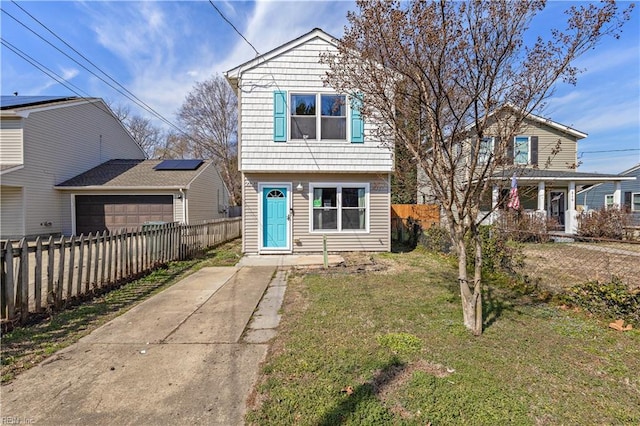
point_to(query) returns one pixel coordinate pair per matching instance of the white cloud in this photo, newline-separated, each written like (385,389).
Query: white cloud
(299,18)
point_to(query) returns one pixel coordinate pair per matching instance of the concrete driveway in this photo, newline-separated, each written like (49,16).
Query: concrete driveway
(178,357)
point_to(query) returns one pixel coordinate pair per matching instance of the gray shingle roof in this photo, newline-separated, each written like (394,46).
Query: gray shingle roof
(133,173)
(524,174)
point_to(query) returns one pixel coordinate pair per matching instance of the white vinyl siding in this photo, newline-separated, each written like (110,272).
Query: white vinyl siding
(60,143)
(207,196)
(298,71)
(11,141)
(305,240)
(11,212)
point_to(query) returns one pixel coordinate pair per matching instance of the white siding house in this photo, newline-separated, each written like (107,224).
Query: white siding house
(45,141)
(311,168)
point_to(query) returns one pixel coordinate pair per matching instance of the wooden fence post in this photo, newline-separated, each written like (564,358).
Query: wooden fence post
(104,257)
(51,299)
(24,281)
(89,263)
(97,260)
(72,254)
(9,284)
(81,265)
(38,276)
(60,284)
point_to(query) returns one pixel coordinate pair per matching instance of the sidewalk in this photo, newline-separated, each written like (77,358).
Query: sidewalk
(188,355)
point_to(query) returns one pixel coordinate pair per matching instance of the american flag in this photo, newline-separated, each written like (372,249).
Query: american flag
(514,200)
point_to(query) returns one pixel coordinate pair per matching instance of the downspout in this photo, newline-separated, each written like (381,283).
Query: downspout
(184,206)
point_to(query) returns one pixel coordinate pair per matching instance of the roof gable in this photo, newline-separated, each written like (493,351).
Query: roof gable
(234,74)
(541,120)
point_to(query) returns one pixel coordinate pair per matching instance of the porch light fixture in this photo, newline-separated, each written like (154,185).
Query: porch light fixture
(299,188)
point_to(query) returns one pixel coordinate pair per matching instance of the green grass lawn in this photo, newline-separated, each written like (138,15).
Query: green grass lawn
(389,348)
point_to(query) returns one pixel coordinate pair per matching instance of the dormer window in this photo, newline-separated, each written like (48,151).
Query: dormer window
(305,120)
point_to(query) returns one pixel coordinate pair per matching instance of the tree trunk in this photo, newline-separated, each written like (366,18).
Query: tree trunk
(471,300)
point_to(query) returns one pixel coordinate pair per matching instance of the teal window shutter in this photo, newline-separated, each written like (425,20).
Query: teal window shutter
(279,116)
(357,124)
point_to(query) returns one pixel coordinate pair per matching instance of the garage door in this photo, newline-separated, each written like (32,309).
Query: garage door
(112,212)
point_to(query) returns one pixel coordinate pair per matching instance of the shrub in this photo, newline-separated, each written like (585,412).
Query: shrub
(436,239)
(499,251)
(610,300)
(603,223)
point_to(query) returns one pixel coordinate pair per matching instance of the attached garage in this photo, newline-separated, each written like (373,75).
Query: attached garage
(125,194)
(112,212)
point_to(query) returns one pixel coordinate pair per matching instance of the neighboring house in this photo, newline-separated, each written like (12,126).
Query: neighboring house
(603,194)
(544,158)
(129,193)
(311,169)
(44,141)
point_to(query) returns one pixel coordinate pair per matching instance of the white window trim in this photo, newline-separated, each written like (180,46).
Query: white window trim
(633,195)
(339,186)
(318,97)
(515,152)
(606,206)
(492,147)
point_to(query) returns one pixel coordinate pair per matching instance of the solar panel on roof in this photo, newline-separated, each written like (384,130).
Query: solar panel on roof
(7,102)
(179,165)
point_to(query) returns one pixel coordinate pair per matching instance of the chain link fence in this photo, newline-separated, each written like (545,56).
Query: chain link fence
(564,262)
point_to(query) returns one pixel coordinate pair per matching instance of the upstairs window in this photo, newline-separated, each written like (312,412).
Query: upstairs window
(521,150)
(524,150)
(329,123)
(486,150)
(303,117)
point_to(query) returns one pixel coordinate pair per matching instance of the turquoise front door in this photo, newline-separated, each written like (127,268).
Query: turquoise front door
(274,218)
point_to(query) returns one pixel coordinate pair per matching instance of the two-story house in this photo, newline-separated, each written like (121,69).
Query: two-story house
(544,158)
(69,166)
(312,171)
(45,140)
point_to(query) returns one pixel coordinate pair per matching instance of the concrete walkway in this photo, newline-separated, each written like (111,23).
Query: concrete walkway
(188,355)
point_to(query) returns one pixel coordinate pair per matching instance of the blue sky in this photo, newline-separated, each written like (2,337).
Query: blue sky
(159,49)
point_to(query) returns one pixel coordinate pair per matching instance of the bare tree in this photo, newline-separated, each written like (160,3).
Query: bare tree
(209,114)
(175,146)
(443,75)
(149,136)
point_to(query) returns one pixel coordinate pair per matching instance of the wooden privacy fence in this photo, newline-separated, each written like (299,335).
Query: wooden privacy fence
(46,273)
(407,220)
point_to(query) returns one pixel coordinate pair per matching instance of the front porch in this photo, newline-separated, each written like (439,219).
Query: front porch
(551,194)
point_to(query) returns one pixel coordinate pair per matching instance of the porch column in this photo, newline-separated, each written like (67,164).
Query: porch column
(541,207)
(617,194)
(495,195)
(570,215)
